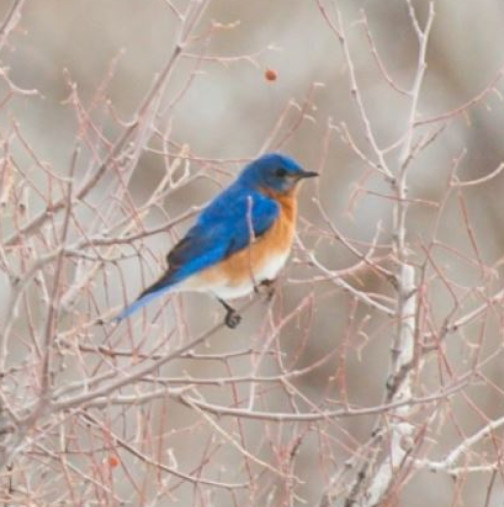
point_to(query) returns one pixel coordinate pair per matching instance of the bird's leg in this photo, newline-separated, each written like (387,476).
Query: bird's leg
(233,318)
(266,287)
(270,289)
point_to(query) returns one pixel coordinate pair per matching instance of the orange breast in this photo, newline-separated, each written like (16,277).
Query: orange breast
(250,263)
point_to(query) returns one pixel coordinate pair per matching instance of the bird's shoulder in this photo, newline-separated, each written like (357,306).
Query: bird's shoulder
(236,203)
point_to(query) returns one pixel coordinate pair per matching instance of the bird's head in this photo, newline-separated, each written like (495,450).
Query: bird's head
(274,172)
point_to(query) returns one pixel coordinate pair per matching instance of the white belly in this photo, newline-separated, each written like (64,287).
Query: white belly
(222,289)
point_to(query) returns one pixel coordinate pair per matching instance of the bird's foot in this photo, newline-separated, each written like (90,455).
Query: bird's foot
(232,319)
(266,287)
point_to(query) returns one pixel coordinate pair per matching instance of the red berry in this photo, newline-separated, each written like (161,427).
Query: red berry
(270,75)
(113,461)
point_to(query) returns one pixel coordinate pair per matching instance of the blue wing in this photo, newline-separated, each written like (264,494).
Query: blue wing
(222,229)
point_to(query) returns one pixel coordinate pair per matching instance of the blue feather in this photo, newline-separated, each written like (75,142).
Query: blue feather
(138,304)
(222,229)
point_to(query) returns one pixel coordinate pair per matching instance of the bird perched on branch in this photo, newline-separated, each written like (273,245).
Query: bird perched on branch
(240,240)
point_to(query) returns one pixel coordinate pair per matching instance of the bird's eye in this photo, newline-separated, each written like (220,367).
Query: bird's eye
(281,172)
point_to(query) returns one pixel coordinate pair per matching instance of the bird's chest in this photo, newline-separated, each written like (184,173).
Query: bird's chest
(269,253)
(266,255)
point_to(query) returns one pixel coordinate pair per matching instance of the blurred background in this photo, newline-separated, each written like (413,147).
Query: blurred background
(222,105)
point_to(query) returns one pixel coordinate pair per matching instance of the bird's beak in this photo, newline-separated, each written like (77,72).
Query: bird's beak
(308,174)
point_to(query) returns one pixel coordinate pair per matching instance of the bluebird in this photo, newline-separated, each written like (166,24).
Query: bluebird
(240,240)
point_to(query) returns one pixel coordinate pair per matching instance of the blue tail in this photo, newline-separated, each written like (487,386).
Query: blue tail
(163,285)
(137,305)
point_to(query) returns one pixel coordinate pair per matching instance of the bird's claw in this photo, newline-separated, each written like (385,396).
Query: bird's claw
(233,318)
(266,287)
